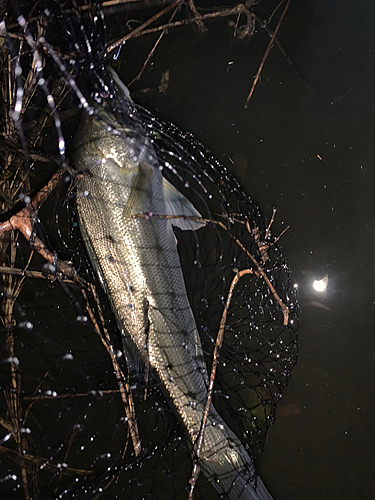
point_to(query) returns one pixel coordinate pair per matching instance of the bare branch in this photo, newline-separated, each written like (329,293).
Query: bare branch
(238,9)
(140,28)
(29,461)
(270,45)
(152,51)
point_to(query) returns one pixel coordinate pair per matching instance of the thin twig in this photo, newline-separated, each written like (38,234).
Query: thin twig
(282,232)
(264,25)
(215,359)
(200,23)
(40,397)
(31,274)
(24,222)
(262,243)
(268,230)
(15,411)
(266,55)
(27,460)
(68,448)
(13,396)
(152,51)
(140,31)
(140,28)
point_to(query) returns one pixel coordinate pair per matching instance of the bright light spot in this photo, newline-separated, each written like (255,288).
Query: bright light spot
(321,285)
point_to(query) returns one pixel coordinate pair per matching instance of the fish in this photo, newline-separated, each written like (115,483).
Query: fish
(137,261)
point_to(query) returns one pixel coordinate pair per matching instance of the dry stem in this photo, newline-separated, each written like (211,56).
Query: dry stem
(152,51)
(24,222)
(140,28)
(238,9)
(28,461)
(266,55)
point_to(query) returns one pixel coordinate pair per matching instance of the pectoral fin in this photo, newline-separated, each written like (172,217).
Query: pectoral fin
(179,205)
(141,192)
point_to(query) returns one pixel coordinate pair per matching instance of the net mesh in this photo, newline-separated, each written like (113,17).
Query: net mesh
(67,409)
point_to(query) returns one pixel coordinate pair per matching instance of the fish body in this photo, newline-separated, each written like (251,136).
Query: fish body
(138,263)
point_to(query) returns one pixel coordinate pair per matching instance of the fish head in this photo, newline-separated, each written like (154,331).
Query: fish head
(119,157)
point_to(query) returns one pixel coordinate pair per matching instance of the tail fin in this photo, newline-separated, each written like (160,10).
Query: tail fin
(262,491)
(227,465)
(238,486)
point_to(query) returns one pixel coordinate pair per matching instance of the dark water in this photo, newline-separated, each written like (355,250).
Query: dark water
(304,146)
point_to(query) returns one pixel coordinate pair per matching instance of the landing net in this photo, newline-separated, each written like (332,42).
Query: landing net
(67,407)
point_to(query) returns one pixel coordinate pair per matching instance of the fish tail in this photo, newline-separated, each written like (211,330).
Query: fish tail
(228,466)
(262,491)
(238,485)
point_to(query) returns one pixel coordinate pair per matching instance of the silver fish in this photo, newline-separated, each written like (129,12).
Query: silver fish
(138,264)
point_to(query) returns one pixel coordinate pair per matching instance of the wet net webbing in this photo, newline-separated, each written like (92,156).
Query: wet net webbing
(66,412)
